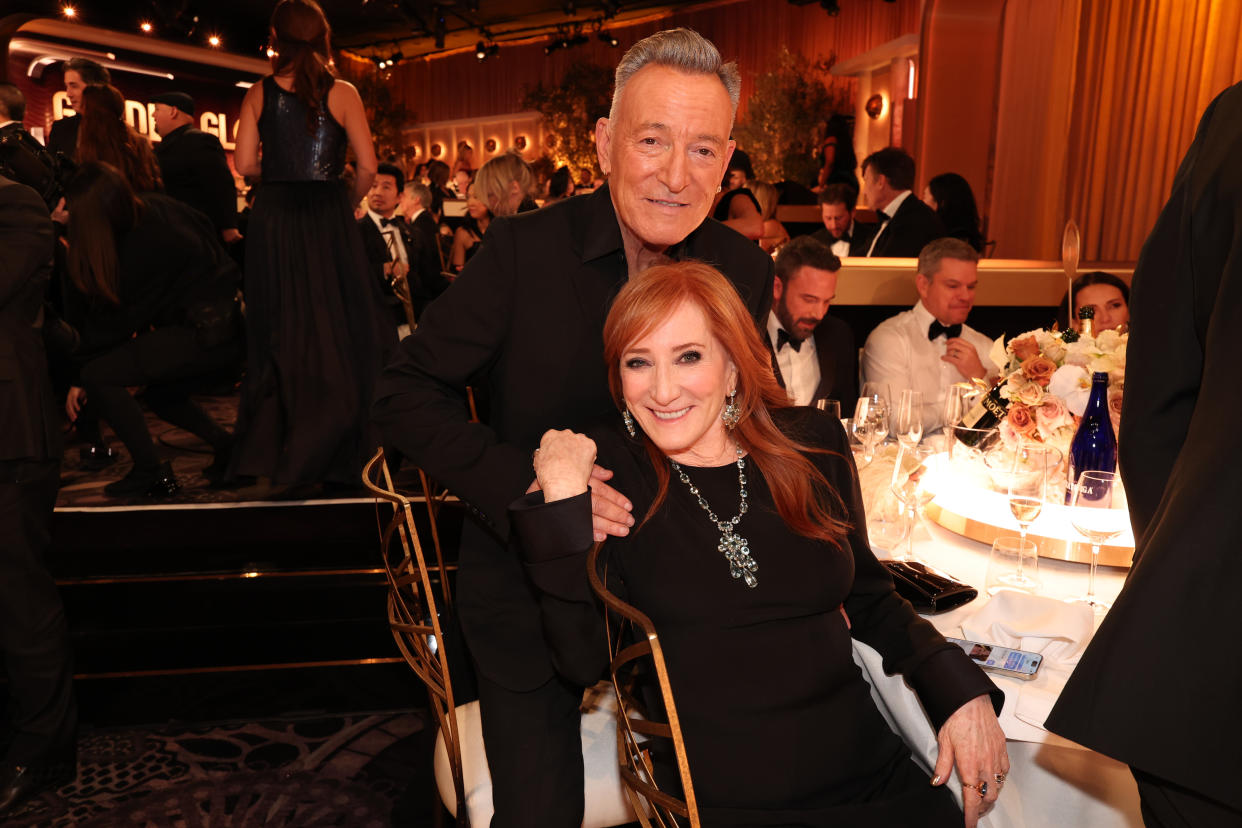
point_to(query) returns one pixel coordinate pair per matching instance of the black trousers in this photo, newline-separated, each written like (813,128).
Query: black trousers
(1167,805)
(533,742)
(171,363)
(33,634)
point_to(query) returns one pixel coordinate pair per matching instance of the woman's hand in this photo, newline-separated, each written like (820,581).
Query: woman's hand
(563,464)
(74,402)
(972,740)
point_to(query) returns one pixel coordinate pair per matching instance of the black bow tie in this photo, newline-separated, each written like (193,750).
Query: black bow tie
(936,329)
(783,338)
(844,237)
(387,221)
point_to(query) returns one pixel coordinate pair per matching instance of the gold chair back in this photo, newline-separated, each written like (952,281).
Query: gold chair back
(632,647)
(414,606)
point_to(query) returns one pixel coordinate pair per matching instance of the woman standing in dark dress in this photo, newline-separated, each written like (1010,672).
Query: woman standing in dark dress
(314,316)
(787,734)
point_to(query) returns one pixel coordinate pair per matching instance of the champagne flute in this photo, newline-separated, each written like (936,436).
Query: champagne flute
(908,422)
(1097,515)
(956,404)
(910,485)
(1030,471)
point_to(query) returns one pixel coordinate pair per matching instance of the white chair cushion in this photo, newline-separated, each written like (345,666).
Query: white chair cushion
(606,802)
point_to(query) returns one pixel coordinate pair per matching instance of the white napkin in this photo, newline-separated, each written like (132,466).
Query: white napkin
(1056,630)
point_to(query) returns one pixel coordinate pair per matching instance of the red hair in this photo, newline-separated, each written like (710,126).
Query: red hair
(104,136)
(804,498)
(302,42)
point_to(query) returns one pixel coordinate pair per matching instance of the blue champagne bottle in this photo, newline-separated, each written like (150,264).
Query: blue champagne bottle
(1094,447)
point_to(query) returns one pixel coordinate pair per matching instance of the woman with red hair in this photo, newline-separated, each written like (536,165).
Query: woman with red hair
(750,546)
(104,136)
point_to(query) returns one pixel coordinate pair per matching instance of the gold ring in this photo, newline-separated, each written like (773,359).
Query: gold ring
(981,788)
(1000,778)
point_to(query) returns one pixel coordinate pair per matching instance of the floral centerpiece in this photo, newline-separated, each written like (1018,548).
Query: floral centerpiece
(1046,379)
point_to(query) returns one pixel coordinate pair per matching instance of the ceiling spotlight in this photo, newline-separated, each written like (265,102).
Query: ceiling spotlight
(146,27)
(270,52)
(213,41)
(69,11)
(608,38)
(832,7)
(480,50)
(397,57)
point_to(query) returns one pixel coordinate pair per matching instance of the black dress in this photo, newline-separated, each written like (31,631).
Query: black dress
(779,724)
(315,321)
(721,213)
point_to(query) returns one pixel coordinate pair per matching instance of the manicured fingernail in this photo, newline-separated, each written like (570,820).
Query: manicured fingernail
(599,536)
(935,780)
(629,521)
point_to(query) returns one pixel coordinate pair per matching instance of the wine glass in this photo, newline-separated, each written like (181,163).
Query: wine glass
(1097,515)
(957,401)
(870,424)
(911,478)
(829,405)
(1027,477)
(908,422)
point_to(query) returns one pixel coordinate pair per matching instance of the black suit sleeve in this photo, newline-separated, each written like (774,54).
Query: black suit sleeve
(25,237)
(426,275)
(216,181)
(420,403)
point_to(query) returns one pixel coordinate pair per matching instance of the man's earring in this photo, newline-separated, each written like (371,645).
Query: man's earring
(629,422)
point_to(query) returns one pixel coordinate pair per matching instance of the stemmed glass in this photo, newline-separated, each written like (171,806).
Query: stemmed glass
(871,423)
(910,485)
(1097,515)
(908,422)
(956,404)
(1027,483)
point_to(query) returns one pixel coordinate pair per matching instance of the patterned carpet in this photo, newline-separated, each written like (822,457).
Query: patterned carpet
(368,771)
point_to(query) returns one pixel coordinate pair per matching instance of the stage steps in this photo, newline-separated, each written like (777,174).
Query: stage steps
(220,611)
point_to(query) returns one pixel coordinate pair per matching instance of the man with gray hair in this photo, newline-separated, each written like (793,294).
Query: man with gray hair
(525,320)
(426,275)
(930,346)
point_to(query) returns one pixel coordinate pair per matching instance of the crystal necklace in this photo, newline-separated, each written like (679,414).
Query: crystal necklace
(736,548)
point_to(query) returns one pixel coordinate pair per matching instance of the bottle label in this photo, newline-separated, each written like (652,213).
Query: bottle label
(987,404)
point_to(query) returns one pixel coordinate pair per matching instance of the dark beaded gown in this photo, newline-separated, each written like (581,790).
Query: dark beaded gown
(315,325)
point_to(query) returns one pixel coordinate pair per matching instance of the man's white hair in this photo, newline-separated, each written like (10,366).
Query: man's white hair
(684,50)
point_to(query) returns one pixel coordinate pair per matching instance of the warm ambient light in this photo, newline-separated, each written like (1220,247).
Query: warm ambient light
(214,41)
(146,26)
(69,11)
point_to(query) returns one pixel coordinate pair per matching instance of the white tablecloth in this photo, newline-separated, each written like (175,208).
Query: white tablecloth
(1052,782)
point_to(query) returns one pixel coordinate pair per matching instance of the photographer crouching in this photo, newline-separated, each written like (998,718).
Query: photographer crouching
(152,300)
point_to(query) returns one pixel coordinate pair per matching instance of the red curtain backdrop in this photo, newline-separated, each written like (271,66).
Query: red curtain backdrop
(751,32)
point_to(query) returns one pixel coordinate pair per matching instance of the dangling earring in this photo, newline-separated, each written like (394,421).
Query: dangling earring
(731,413)
(629,422)
(719,187)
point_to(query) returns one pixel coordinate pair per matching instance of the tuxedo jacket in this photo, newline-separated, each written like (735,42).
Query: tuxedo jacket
(524,320)
(379,255)
(63,136)
(909,230)
(31,425)
(195,171)
(860,241)
(1159,685)
(838,361)
(427,280)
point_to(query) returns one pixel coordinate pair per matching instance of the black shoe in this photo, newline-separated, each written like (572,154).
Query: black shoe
(96,457)
(157,482)
(219,465)
(20,783)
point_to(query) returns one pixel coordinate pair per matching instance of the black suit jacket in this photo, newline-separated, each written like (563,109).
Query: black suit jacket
(27,411)
(1159,686)
(860,241)
(63,136)
(525,320)
(426,277)
(838,362)
(195,171)
(379,255)
(909,230)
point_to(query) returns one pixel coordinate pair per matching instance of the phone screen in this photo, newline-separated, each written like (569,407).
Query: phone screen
(1002,659)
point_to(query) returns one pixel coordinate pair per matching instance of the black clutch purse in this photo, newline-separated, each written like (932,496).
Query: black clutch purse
(928,590)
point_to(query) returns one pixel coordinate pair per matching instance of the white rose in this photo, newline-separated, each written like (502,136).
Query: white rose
(1107,341)
(1104,363)
(1080,352)
(1055,351)
(1030,394)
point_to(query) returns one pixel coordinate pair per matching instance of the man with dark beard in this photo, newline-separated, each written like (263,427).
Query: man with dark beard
(813,353)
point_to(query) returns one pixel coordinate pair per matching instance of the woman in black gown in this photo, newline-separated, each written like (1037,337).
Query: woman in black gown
(314,316)
(779,724)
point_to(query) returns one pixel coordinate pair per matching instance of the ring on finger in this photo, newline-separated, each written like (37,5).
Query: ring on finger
(1000,778)
(981,788)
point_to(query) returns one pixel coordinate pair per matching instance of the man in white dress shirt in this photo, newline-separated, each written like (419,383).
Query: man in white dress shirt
(813,354)
(929,347)
(841,233)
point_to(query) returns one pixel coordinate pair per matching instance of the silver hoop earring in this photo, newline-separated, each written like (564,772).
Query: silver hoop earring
(629,422)
(731,413)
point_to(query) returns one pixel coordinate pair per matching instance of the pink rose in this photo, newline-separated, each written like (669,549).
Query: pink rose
(1022,420)
(1052,414)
